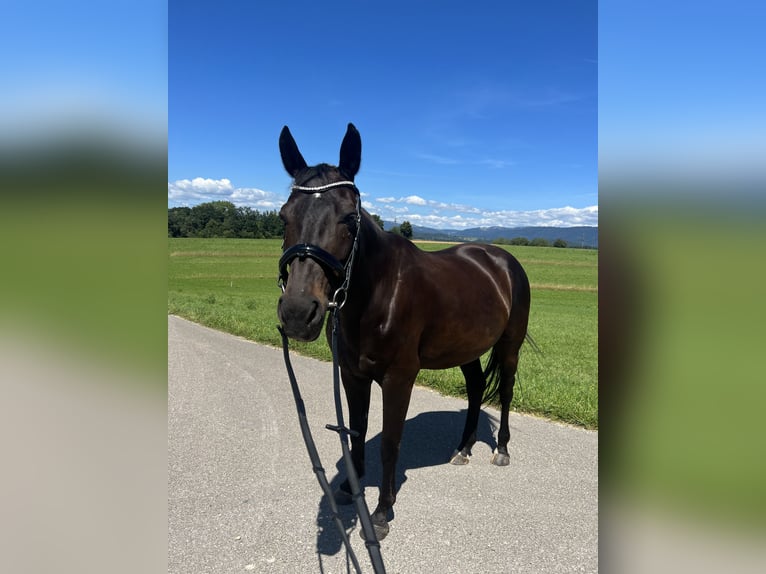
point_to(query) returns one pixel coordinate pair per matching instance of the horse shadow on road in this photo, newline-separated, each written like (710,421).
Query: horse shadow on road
(429,440)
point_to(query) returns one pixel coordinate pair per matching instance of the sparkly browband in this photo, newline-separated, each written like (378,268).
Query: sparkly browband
(323,188)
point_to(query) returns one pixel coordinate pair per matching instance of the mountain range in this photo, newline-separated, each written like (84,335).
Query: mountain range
(584,236)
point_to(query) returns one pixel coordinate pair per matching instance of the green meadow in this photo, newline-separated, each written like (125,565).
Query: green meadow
(231,285)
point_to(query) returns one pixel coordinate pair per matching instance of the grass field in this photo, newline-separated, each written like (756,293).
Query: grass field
(230,284)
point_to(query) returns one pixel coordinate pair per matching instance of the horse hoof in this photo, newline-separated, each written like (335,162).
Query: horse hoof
(381,530)
(501,459)
(459,458)
(342,497)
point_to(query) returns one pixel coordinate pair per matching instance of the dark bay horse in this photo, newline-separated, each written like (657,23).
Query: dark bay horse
(402,309)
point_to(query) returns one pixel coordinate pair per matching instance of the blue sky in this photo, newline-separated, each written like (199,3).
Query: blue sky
(469,115)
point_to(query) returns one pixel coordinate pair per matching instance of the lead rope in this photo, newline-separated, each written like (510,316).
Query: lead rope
(357,495)
(371,540)
(316,463)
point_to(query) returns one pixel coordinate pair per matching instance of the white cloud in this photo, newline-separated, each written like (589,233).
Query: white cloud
(429,213)
(201,185)
(415,200)
(253,197)
(556,217)
(189,192)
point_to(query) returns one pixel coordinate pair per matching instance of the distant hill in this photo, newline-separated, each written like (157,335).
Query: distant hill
(574,236)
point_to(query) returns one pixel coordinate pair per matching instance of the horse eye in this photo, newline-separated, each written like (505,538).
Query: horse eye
(350,221)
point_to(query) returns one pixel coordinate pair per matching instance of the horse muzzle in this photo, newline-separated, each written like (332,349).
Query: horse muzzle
(301,317)
(301,311)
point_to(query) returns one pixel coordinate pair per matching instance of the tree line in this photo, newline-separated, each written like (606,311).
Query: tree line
(223,219)
(536,242)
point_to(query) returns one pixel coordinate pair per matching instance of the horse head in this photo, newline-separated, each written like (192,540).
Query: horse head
(321,218)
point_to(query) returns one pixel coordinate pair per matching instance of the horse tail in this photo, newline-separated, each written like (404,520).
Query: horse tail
(492,371)
(492,376)
(531,341)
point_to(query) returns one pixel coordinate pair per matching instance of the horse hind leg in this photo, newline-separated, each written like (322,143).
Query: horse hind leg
(507,350)
(475,383)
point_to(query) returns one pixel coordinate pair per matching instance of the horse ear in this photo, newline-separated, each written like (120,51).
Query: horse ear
(291,156)
(351,152)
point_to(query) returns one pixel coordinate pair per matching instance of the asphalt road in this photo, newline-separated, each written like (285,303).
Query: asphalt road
(242,496)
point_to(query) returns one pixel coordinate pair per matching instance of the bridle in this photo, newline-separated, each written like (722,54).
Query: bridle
(335,270)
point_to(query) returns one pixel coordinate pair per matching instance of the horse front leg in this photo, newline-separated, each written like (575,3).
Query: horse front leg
(396,401)
(357,391)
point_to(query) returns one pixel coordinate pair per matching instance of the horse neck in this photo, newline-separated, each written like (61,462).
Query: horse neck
(368,262)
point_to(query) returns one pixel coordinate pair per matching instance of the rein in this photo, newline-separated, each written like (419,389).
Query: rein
(332,264)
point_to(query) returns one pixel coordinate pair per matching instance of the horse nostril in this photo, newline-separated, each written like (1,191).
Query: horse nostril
(313,313)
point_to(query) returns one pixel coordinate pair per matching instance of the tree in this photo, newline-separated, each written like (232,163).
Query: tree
(178,221)
(272,224)
(223,219)
(213,228)
(519,241)
(406,229)
(559,243)
(540,242)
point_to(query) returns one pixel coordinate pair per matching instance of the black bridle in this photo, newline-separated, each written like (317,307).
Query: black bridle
(336,271)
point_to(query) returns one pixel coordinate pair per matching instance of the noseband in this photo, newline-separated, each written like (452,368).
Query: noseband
(336,270)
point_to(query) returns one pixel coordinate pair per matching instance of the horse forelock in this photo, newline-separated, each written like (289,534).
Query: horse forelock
(324,173)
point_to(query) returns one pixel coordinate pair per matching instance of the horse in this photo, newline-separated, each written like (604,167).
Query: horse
(401,309)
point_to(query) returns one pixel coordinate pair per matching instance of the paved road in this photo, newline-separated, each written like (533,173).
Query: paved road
(242,496)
